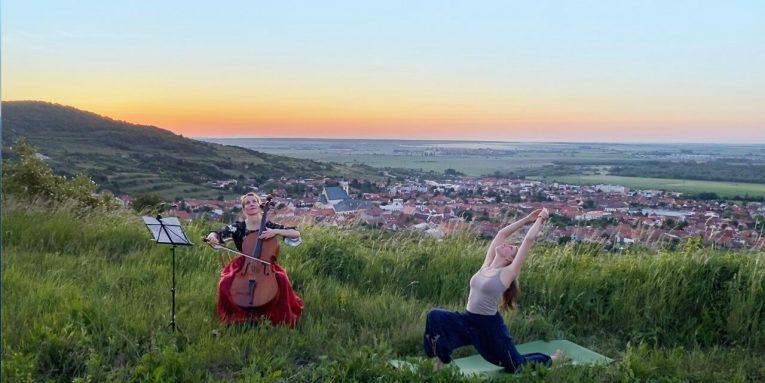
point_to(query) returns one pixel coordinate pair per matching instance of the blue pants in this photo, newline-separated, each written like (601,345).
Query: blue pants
(448,330)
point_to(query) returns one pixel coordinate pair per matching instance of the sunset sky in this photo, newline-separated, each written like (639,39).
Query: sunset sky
(641,71)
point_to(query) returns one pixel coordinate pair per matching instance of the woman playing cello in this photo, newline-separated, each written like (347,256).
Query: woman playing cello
(286,305)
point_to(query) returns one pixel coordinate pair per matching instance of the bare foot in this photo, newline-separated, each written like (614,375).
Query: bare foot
(558,356)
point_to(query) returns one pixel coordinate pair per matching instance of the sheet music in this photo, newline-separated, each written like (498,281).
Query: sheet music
(172,233)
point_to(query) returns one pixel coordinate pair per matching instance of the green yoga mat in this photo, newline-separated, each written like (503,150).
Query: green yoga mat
(475,365)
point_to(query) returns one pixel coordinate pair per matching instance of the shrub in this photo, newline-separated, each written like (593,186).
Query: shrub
(27,177)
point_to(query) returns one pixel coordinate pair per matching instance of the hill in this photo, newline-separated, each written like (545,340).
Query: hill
(129,158)
(88,300)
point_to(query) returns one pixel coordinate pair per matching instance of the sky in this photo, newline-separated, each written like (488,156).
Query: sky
(637,71)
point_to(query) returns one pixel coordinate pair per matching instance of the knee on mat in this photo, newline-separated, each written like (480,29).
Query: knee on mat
(434,347)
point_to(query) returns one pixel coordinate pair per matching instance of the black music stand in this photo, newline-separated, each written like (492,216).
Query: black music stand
(168,231)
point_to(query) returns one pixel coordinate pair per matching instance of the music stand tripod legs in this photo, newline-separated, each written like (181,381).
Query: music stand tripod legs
(168,231)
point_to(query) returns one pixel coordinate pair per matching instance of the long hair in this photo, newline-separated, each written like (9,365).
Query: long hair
(510,295)
(512,292)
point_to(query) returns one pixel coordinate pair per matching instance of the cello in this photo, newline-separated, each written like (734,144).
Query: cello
(254,284)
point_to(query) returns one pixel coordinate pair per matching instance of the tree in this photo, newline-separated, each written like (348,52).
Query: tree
(452,173)
(28,177)
(147,201)
(560,220)
(707,196)
(484,216)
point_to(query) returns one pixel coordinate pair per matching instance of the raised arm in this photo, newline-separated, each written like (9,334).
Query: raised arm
(506,232)
(511,271)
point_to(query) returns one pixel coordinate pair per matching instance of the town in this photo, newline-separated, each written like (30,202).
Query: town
(612,215)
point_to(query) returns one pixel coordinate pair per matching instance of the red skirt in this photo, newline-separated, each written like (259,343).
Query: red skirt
(284,310)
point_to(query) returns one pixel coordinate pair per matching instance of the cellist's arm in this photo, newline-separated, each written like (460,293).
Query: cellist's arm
(290,234)
(286,233)
(216,237)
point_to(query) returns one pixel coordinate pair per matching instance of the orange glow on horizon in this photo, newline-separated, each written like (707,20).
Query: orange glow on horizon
(376,109)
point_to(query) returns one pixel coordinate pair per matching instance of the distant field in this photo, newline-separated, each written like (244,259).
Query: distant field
(476,158)
(471,158)
(686,186)
(137,183)
(470,165)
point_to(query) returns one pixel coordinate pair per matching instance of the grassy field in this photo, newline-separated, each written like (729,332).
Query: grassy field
(470,165)
(727,189)
(86,299)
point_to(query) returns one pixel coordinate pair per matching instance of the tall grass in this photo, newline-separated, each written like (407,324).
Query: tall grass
(86,298)
(701,297)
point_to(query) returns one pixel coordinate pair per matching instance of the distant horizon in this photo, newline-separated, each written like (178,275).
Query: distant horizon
(482,141)
(709,141)
(448,139)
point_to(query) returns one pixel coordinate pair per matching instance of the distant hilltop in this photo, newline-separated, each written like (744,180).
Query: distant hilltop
(129,158)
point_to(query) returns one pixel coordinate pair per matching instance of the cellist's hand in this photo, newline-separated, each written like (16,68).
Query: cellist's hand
(269,233)
(212,239)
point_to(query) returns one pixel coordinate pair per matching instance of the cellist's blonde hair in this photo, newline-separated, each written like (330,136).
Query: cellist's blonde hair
(250,194)
(242,216)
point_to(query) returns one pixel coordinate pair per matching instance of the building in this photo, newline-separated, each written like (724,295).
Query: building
(332,195)
(396,205)
(611,189)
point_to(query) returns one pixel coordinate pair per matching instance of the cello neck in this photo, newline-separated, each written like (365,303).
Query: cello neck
(263,222)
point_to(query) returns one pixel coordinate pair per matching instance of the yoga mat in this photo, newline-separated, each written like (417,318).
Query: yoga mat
(476,365)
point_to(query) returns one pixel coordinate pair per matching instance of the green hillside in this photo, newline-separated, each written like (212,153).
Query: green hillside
(86,299)
(129,158)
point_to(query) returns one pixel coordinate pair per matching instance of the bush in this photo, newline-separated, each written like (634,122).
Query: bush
(27,177)
(147,201)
